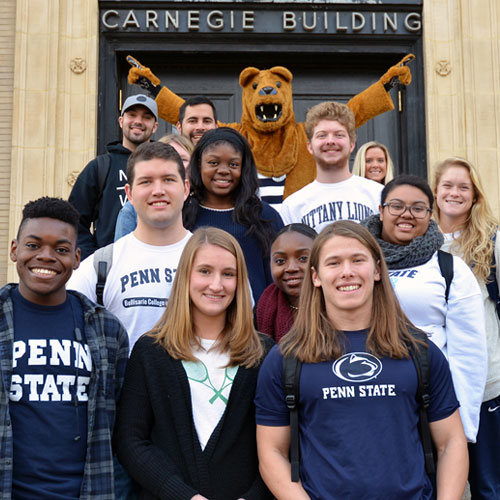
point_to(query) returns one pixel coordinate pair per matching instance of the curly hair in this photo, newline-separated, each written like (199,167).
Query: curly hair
(331,111)
(247,204)
(52,208)
(475,242)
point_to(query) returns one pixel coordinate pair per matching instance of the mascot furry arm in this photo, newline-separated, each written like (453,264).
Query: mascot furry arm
(268,120)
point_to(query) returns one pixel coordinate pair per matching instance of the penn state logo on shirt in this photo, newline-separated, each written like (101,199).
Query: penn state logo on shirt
(357,367)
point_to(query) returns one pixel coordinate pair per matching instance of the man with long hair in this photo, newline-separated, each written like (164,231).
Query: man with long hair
(357,408)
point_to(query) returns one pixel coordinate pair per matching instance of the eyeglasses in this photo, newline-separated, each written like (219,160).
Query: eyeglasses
(398,208)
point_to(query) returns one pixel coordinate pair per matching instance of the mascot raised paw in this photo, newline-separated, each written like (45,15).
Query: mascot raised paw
(278,142)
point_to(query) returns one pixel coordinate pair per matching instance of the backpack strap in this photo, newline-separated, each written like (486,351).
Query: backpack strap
(291,381)
(103,260)
(491,282)
(421,359)
(103,169)
(445,261)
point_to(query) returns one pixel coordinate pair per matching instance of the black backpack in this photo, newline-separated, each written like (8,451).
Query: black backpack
(491,283)
(420,356)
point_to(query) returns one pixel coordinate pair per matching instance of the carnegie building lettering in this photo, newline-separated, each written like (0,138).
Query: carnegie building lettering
(227,21)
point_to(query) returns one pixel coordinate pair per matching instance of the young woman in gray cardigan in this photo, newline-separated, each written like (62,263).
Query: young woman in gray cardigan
(186,420)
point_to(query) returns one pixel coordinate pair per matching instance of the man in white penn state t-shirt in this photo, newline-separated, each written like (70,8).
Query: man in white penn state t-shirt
(145,261)
(335,194)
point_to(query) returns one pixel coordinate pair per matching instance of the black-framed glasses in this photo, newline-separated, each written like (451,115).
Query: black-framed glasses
(398,208)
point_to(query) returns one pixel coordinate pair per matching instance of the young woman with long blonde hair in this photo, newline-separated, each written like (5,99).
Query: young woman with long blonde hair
(450,312)
(374,162)
(186,424)
(471,232)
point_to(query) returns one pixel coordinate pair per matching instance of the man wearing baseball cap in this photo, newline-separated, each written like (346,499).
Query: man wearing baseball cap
(99,191)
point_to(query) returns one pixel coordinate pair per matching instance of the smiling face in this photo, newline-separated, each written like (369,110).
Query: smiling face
(289,260)
(158,193)
(375,164)
(45,254)
(212,283)
(220,173)
(330,145)
(138,124)
(455,194)
(403,229)
(197,120)
(346,273)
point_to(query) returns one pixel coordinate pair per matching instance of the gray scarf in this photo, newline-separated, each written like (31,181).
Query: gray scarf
(416,253)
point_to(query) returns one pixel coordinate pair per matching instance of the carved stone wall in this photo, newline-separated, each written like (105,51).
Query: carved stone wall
(55,99)
(7,50)
(462,73)
(48,95)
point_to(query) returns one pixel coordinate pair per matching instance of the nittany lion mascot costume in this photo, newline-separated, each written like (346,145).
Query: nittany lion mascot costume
(268,121)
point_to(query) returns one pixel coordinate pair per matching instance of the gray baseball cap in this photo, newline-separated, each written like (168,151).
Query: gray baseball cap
(143,100)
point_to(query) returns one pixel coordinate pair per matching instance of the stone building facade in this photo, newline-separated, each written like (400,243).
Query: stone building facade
(54,82)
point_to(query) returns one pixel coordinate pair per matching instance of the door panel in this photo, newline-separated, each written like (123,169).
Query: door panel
(314,82)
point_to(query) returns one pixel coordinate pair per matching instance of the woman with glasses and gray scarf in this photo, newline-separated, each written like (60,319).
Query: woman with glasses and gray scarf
(438,293)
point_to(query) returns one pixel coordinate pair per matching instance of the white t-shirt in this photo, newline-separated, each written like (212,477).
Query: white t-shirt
(138,284)
(319,204)
(456,326)
(210,384)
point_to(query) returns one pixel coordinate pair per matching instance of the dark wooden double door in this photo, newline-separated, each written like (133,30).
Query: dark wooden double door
(317,77)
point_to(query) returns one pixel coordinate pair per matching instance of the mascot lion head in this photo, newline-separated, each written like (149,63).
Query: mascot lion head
(267,98)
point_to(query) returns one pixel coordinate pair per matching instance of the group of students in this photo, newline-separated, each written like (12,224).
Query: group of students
(223,193)
(465,227)
(204,410)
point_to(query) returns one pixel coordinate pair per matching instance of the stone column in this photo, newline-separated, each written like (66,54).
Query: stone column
(462,72)
(55,97)
(7,51)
